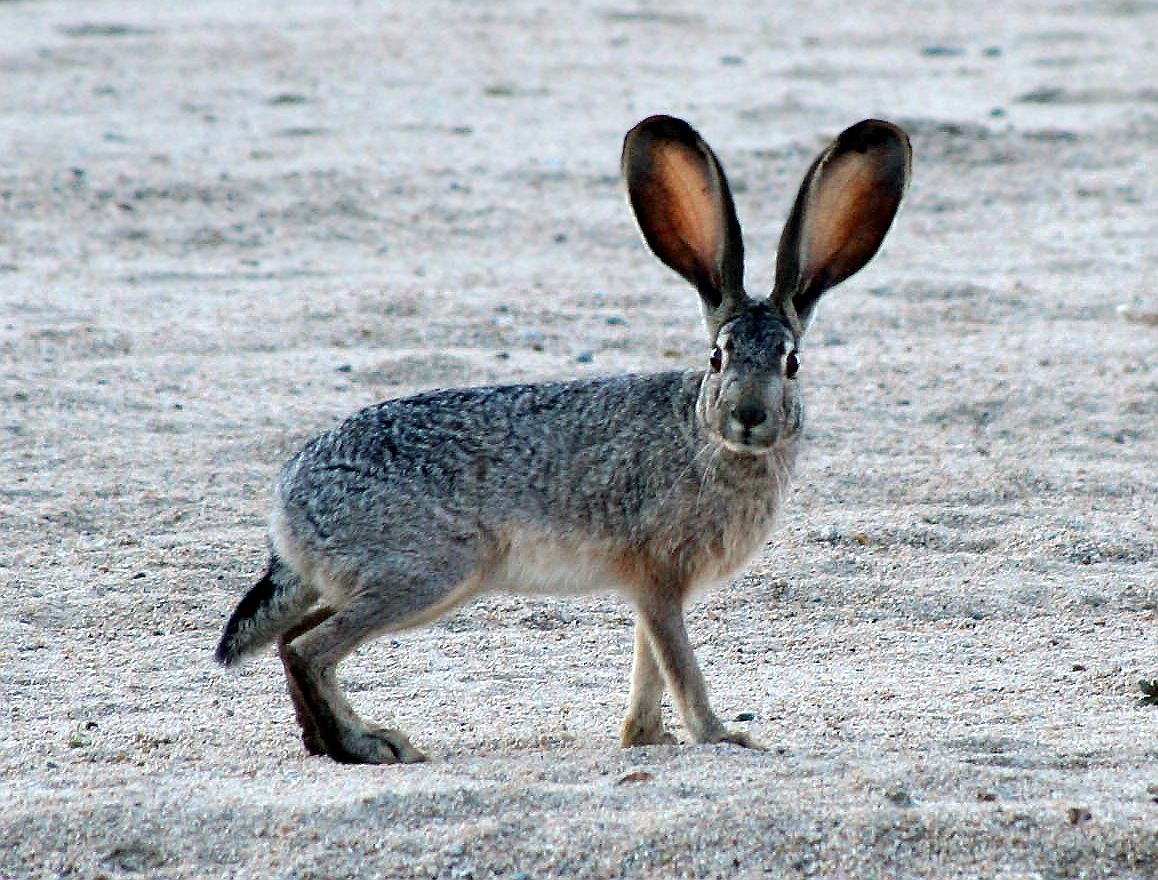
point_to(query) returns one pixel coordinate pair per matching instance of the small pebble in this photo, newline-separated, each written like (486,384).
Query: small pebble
(637,776)
(1077,815)
(899,797)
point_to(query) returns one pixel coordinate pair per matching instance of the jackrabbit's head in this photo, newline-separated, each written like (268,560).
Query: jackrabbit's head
(680,196)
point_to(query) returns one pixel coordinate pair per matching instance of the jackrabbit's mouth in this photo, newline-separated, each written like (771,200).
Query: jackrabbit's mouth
(752,445)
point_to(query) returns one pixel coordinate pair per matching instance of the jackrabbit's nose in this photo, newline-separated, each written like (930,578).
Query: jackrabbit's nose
(749,414)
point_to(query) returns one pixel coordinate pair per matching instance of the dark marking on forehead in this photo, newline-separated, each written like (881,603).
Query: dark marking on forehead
(762,329)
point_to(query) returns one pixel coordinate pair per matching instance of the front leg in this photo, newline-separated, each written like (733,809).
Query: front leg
(663,621)
(643,725)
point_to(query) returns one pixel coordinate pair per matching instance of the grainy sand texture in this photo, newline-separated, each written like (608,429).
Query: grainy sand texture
(224,226)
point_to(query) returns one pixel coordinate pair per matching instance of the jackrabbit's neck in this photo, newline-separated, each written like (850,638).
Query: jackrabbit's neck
(751,482)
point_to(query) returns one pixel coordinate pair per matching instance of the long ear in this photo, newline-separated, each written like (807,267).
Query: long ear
(842,212)
(682,203)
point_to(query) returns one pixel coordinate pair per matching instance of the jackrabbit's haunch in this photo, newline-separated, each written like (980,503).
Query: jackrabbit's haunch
(654,485)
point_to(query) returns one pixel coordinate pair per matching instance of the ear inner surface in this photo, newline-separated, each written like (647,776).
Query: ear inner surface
(681,200)
(844,209)
(676,203)
(689,220)
(852,208)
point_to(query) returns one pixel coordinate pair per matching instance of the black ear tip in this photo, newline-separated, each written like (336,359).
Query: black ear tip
(873,134)
(668,128)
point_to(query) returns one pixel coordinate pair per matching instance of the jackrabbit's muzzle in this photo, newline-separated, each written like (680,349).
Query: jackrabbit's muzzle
(753,418)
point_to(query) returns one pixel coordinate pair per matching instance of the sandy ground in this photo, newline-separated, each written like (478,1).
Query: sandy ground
(224,226)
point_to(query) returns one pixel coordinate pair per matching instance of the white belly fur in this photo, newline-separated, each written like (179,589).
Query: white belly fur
(537,563)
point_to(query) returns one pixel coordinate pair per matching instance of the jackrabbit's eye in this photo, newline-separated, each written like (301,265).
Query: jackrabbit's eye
(716,359)
(791,365)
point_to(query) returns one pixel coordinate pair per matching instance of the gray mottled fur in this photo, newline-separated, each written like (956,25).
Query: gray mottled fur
(651,484)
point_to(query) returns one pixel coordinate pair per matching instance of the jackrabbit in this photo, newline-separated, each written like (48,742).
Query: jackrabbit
(651,484)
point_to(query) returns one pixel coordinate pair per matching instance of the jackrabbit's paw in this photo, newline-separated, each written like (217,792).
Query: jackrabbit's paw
(375,745)
(635,734)
(737,738)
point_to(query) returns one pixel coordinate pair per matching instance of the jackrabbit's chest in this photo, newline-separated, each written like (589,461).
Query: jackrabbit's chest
(727,520)
(716,550)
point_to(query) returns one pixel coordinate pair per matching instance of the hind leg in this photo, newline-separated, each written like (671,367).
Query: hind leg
(311,732)
(330,726)
(386,599)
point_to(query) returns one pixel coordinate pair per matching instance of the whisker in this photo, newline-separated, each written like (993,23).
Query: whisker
(707,447)
(709,472)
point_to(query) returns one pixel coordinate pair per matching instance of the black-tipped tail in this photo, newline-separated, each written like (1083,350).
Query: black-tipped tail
(271,607)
